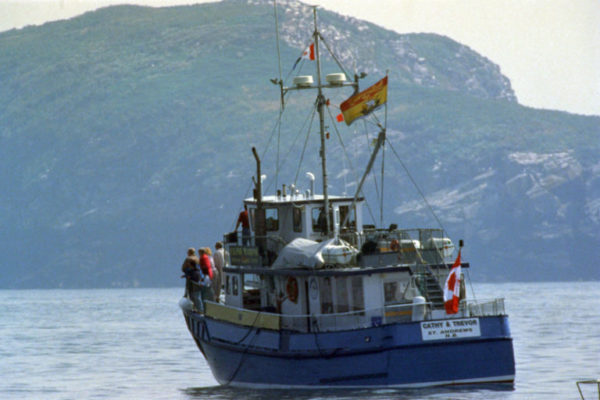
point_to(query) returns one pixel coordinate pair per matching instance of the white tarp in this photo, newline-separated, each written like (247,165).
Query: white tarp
(305,253)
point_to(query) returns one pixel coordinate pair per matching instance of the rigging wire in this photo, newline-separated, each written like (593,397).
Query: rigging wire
(299,62)
(305,144)
(427,204)
(246,348)
(382,183)
(281,104)
(383,163)
(357,179)
(277,37)
(278,152)
(416,186)
(276,126)
(285,158)
(332,54)
(373,175)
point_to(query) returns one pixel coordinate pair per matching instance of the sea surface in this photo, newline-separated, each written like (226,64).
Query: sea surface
(133,344)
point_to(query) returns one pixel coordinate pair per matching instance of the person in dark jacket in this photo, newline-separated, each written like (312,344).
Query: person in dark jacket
(190,266)
(192,273)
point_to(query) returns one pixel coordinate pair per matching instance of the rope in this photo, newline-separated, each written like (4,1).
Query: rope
(305,144)
(243,356)
(277,36)
(332,54)
(383,161)
(382,183)
(350,161)
(374,178)
(416,186)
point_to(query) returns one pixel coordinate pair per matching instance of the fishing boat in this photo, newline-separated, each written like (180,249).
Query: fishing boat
(315,297)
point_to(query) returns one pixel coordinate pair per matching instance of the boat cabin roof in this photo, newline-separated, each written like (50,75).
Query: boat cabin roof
(300,199)
(343,271)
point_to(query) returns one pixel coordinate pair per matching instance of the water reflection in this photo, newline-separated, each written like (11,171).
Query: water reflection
(455,392)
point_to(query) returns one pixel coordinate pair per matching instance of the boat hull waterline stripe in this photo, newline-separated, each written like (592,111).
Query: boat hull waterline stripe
(506,379)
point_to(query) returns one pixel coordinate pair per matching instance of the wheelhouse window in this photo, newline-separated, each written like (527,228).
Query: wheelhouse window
(297,219)
(351,213)
(341,295)
(392,292)
(358,297)
(234,284)
(325,294)
(319,221)
(272,218)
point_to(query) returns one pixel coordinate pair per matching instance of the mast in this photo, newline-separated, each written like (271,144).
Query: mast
(304,84)
(260,218)
(320,105)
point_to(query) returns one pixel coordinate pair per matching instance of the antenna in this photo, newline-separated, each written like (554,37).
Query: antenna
(277,36)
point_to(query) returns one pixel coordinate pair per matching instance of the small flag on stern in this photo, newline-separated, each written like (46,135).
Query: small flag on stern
(308,54)
(452,288)
(365,102)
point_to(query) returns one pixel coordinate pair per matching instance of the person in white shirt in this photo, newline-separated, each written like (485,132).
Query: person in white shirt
(219,259)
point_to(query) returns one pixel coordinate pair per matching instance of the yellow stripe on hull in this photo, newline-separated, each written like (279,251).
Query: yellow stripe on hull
(242,317)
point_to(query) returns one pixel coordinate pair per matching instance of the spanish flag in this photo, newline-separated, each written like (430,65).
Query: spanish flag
(365,102)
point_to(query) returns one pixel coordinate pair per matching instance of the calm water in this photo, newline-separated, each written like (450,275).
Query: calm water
(133,344)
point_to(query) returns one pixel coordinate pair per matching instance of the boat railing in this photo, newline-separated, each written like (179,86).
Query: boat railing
(253,250)
(477,308)
(393,313)
(349,320)
(356,319)
(404,246)
(413,246)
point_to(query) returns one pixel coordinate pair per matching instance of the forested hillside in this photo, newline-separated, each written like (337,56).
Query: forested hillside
(125,138)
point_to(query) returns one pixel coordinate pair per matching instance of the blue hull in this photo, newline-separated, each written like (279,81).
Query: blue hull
(386,356)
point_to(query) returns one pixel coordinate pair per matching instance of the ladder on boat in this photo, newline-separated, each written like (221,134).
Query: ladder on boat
(432,289)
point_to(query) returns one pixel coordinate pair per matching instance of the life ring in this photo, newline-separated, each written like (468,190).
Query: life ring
(292,289)
(395,245)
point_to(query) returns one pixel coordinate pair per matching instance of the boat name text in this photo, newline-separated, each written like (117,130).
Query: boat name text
(450,329)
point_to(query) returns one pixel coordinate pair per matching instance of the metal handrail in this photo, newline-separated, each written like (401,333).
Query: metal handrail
(392,313)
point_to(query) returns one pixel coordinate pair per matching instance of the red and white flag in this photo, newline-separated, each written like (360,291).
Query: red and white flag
(452,288)
(308,54)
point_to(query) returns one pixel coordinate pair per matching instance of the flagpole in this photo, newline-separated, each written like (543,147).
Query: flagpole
(320,105)
(281,88)
(383,161)
(277,38)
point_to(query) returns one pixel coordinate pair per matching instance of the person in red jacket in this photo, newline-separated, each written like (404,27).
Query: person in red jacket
(206,268)
(205,264)
(245,222)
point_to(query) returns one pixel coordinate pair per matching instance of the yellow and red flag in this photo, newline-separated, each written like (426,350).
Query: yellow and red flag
(365,102)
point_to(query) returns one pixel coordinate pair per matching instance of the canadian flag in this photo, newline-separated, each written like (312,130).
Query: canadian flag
(452,288)
(308,54)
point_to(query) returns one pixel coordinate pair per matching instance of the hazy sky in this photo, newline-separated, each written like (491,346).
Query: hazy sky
(549,49)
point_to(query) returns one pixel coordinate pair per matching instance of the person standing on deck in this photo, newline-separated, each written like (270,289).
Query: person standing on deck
(191,273)
(206,268)
(214,273)
(245,221)
(219,259)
